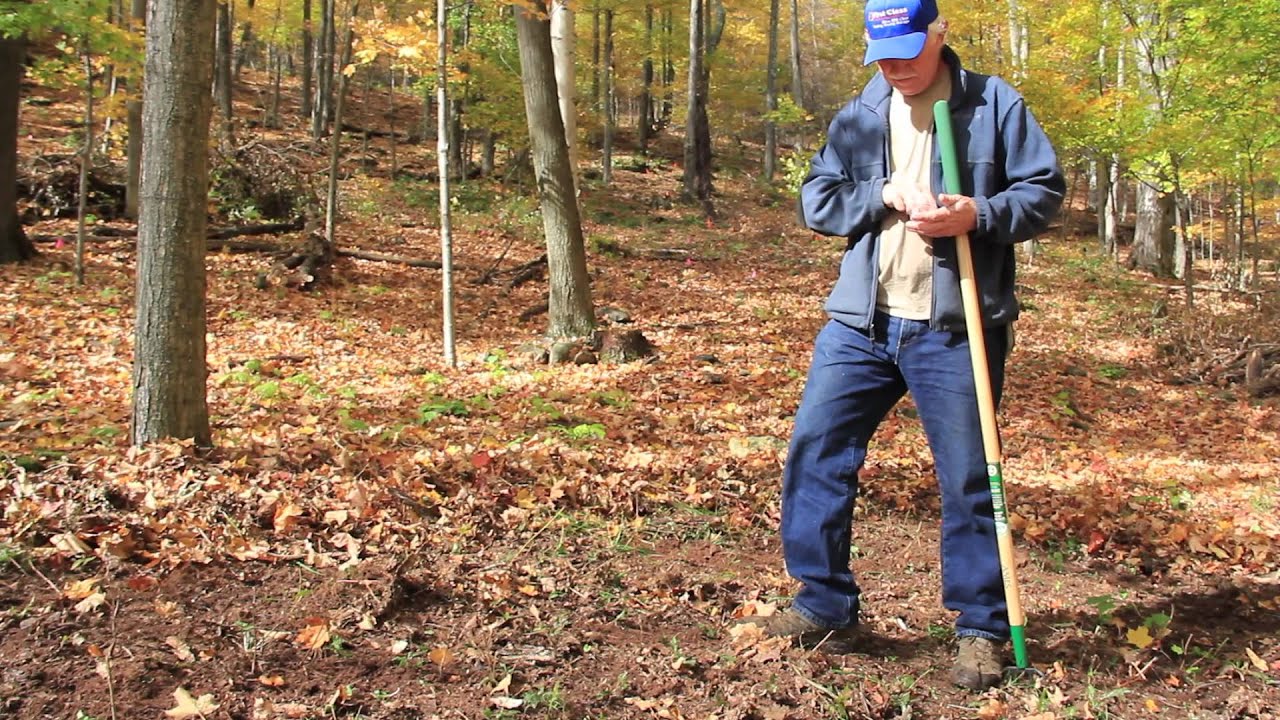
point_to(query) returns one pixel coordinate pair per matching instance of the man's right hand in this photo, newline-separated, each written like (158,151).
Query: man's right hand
(907,199)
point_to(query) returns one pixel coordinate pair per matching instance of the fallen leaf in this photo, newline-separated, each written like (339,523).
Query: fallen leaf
(189,707)
(80,589)
(1140,637)
(1257,661)
(271,680)
(506,703)
(993,709)
(180,648)
(1152,706)
(93,602)
(442,656)
(314,635)
(286,516)
(399,646)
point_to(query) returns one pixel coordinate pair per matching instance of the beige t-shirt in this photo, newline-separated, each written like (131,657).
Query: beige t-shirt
(906,259)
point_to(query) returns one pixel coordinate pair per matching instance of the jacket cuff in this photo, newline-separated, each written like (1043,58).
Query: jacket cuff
(984,225)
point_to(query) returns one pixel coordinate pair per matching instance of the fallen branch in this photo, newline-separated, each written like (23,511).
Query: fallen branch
(222,233)
(384,257)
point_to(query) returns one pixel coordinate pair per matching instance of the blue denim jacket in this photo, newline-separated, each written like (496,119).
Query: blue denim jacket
(1009,169)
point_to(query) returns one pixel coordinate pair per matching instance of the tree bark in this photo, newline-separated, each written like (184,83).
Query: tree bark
(606,155)
(697,143)
(797,74)
(169,371)
(645,125)
(222,71)
(771,96)
(323,72)
(14,245)
(308,57)
(442,159)
(562,49)
(1153,234)
(133,125)
(570,310)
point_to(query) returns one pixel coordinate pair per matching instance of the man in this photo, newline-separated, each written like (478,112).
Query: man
(897,322)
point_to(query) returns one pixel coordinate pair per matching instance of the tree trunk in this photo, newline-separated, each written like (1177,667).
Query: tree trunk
(169,371)
(595,53)
(562,48)
(569,302)
(442,159)
(86,163)
(246,44)
(1153,236)
(668,67)
(335,137)
(797,75)
(606,156)
(14,245)
(645,125)
(308,57)
(771,96)
(697,143)
(222,71)
(323,72)
(133,125)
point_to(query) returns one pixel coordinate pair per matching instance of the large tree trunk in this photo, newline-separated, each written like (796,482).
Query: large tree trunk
(169,371)
(1153,235)
(14,245)
(771,96)
(562,49)
(569,303)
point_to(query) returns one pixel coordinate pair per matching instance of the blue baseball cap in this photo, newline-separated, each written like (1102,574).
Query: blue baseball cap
(896,29)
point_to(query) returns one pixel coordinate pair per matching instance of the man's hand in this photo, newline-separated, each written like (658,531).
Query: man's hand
(957,215)
(906,198)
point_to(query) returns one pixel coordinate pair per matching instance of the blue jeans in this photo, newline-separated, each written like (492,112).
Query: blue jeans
(855,379)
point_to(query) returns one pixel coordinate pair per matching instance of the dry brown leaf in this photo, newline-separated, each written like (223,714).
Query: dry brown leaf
(442,656)
(286,516)
(93,602)
(189,707)
(180,648)
(314,635)
(994,709)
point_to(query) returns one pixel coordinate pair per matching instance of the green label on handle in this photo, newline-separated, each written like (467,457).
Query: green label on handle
(947,146)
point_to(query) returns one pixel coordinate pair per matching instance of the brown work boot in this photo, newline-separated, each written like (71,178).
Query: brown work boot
(979,664)
(804,633)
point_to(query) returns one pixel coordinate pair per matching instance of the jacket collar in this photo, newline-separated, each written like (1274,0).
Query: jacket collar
(876,94)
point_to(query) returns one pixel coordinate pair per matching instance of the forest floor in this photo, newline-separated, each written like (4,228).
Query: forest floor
(377,535)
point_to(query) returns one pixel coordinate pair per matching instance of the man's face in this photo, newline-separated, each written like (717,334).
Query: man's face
(914,76)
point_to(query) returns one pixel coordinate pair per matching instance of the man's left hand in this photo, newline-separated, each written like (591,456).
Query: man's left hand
(958,214)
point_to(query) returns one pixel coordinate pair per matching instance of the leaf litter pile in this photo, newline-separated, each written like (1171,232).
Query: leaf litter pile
(376,535)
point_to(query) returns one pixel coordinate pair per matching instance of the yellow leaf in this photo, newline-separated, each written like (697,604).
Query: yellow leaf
(1257,661)
(1140,637)
(271,680)
(189,707)
(1152,706)
(79,589)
